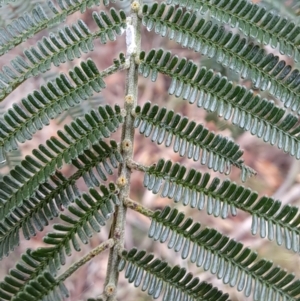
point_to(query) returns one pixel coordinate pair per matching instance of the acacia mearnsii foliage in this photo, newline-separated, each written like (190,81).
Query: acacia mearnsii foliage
(259,41)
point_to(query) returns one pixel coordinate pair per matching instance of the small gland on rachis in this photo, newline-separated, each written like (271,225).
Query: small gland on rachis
(135,6)
(121,181)
(129,99)
(126,145)
(110,289)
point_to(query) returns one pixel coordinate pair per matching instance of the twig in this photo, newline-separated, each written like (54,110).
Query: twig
(129,203)
(133,42)
(96,251)
(137,166)
(113,68)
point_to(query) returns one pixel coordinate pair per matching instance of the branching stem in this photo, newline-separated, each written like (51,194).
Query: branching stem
(129,203)
(96,251)
(136,166)
(133,41)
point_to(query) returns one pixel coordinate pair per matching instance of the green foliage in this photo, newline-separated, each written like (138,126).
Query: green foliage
(215,93)
(28,25)
(224,257)
(36,169)
(25,275)
(48,199)
(67,45)
(42,106)
(142,267)
(189,138)
(14,9)
(230,50)
(38,188)
(44,287)
(87,219)
(266,27)
(192,188)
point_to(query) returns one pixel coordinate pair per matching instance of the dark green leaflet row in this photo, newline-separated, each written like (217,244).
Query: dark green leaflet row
(26,26)
(191,187)
(253,20)
(22,181)
(19,276)
(28,218)
(20,29)
(98,157)
(215,93)
(90,214)
(230,50)
(67,45)
(190,139)
(269,217)
(224,257)
(88,160)
(44,288)
(158,278)
(50,199)
(20,123)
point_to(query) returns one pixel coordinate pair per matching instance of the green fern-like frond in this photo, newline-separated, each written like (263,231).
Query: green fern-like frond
(251,61)
(35,191)
(21,123)
(52,100)
(228,259)
(157,277)
(215,93)
(22,182)
(49,200)
(91,213)
(29,24)
(87,219)
(191,188)
(257,22)
(91,160)
(18,8)
(45,287)
(194,141)
(21,29)
(68,44)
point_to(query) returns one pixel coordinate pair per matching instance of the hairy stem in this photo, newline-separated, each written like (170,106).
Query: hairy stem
(96,251)
(133,41)
(129,203)
(136,166)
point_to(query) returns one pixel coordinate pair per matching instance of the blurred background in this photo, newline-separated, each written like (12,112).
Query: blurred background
(278,174)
